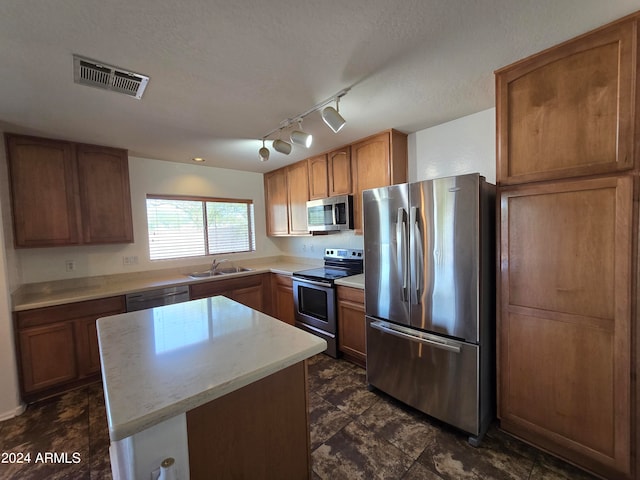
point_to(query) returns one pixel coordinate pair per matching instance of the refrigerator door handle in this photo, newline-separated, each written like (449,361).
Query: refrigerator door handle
(416,275)
(400,332)
(401,249)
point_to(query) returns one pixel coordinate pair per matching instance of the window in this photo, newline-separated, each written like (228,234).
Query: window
(194,226)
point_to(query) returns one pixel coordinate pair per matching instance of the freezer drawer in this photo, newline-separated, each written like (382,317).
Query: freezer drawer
(436,375)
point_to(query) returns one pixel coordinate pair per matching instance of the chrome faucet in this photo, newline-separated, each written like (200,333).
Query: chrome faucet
(216,263)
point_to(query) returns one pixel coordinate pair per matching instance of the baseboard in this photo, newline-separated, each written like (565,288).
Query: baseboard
(13,413)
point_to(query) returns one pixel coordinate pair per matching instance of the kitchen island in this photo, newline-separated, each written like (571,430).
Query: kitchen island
(216,385)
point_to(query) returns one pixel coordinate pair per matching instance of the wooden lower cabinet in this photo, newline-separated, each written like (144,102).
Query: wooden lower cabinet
(352,325)
(48,356)
(564,330)
(57,346)
(283,306)
(87,346)
(250,290)
(258,431)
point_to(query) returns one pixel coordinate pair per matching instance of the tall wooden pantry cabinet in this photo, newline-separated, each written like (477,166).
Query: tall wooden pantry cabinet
(567,126)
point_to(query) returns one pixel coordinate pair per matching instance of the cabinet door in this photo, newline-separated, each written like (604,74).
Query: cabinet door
(370,165)
(251,296)
(43,191)
(318,177)
(283,299)
(564,330)
(377,161)
(298,192)
(87,346)
(47,355)
(339,172)
(248,290)
(105,196)
(352,325)
(277,210)
(569,111)
(58,346)
(209,289)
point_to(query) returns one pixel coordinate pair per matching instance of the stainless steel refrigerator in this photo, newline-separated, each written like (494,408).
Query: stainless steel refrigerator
(430,297)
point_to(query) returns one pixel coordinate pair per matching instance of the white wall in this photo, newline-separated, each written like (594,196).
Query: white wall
(313,246)
(155,177)
(9,278)
(465,145)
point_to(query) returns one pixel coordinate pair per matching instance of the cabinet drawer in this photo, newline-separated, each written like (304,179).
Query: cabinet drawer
(351,294)
(97,308)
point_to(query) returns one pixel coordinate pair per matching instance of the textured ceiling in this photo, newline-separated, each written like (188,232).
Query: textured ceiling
(225,73)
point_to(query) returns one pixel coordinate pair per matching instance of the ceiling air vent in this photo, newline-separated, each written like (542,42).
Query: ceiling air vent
(95,74)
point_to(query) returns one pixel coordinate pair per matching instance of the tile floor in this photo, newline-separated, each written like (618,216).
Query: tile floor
(355,434)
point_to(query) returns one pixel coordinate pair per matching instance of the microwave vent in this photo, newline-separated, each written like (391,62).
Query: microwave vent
(107,77)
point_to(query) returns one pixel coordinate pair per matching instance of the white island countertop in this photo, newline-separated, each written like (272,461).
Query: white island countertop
(165,361)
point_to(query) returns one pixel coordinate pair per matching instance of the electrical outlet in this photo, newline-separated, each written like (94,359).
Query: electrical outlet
(70,265)
(130,260)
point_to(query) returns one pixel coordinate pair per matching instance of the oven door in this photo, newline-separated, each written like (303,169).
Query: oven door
(315,304)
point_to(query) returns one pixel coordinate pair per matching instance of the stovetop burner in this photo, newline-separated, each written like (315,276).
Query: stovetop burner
(338,263)
(325,273)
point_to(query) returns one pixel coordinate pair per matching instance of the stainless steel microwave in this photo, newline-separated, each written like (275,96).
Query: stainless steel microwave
(328,214)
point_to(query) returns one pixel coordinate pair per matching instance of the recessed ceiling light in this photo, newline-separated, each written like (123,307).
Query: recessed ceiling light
(198,159)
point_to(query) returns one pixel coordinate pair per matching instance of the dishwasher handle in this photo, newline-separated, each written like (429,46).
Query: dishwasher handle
(407,334)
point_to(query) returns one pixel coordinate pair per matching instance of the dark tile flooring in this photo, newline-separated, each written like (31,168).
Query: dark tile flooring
(355,434)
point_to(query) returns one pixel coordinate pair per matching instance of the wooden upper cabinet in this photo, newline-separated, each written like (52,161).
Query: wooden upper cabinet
(43,190)
(68,194)
(330,174)
(103,176)
(377,161)
(318,177)
(298,195)
(339,172)
(286,196)
(569,110)
(564,329)
(277,210)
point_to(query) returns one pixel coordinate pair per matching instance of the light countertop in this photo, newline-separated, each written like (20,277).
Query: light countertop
(354,281)
(153,368)
(60,292)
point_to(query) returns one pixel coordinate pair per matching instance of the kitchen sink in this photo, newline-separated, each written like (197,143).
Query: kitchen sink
(218,271)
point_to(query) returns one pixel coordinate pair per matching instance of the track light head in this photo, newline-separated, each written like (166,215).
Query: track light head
(281,146)
(301,138)
(333,119)
(263,153)
(330,115)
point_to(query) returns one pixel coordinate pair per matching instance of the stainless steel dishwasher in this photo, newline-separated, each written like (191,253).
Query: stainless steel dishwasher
(157,298)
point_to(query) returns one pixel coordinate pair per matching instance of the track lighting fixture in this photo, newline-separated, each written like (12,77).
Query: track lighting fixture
(281,146)
(301,138)
(263,153)
(330,115)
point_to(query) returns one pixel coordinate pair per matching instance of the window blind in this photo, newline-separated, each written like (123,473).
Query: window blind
(189,227)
